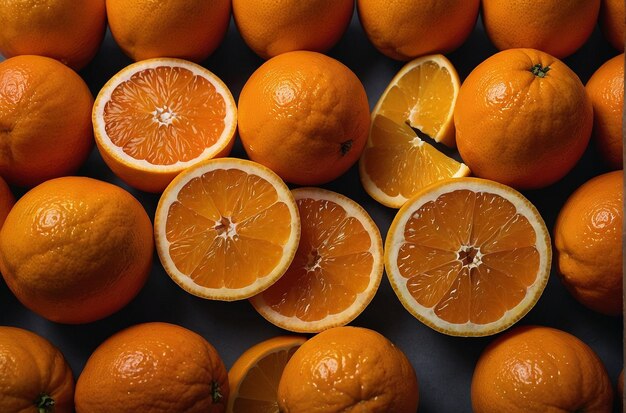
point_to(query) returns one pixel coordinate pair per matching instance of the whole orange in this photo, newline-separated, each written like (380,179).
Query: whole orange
(67,30)
(305,116)
(522,118)
(612,22)
(153,368)
(6,201)
(348,369)
(34,377)
(45,120)
(404,29)
(588,240)
(190,29)
(76,249)
(606,91)
(558,27)
(272,27)
(538,370)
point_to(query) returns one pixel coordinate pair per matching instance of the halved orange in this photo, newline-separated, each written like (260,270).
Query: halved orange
(337,268)
(254,377)
(468,256)
(226,229)
(396,162)
(159,116)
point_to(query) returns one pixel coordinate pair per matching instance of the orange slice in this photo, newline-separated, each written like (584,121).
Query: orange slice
(468,256)
(337,268)
(254,377)
(159,116)
(226,229)
(396,163)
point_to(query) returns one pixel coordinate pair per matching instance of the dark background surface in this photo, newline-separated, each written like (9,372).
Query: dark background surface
(443,364)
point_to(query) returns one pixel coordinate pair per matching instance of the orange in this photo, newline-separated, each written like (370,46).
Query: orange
(34,376)
(67,30)
(522,118)
(468,256)
(540,370)
(253,378)
(159,116)
(348,369)
(271,27)
(6,201)
(606,91)
(557,27)
(612,22)
(156,368)
(337,268)
(305,116)
(45,125)
(588,240)
(405,29)
(76,249)
(226,229)
(191,29)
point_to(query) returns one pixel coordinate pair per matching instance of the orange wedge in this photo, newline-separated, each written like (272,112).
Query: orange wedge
(396,163)
(226,229)
(254,377)
(337,268)
(468,256)
(159,116)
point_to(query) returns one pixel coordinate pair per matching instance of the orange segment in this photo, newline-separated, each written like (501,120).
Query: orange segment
(336,270)
(468,256)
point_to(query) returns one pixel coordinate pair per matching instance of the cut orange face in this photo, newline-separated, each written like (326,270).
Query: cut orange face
(336,270)
(159,116)
(226,229)
(468,256)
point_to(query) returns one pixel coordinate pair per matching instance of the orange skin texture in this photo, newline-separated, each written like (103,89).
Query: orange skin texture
(271,27)
(612,22)
(606,91)
(588,240)
(348,369)
(189,30)
(7,200)
(153,368)
(75,250)
(558,27)
(45,120)
(67,30)
(517,128)
(540,370)
(404,29)
(29,367)
(305,116)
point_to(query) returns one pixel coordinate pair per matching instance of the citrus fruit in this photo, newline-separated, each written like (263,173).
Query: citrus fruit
(45,125)
(34,376)
(305,116)
(76,249)
(6,201)
(271,27)
(156,368)
(337,268)
(612,20)
(191,29)
(406,29)
(226,229)
(468,256)
(159,116)
(66,30)
(522,118)
(253,378)
(588,241)
(557,27)
(606,91)
(396,162)
(348,369)
(535,369)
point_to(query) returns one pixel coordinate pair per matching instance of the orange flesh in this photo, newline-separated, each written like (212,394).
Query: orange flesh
(475,264)
(165,115)
(227,228)
(332,265)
